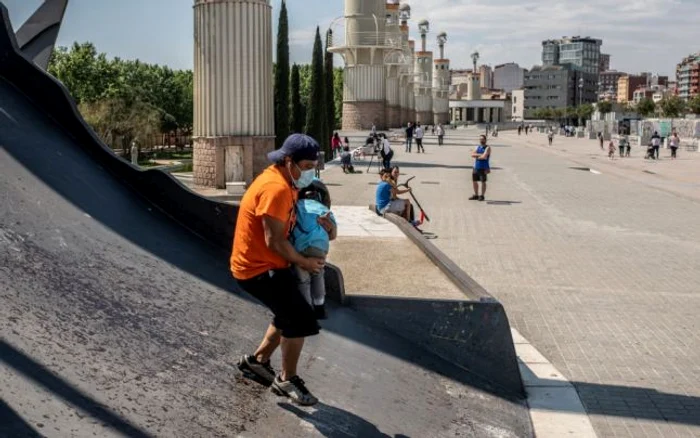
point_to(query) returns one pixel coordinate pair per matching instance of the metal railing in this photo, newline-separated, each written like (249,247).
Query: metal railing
(372,39)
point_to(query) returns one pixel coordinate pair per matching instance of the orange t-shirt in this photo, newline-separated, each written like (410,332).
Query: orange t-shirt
(271,195)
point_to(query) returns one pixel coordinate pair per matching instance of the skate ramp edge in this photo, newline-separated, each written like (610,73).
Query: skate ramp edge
(474,334)
(213,221)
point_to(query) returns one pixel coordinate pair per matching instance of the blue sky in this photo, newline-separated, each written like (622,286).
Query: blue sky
(641,35)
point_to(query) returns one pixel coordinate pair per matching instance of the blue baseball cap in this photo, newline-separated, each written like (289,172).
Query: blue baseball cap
(298,147)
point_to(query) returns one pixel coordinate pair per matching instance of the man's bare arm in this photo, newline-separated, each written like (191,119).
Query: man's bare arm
(276,239)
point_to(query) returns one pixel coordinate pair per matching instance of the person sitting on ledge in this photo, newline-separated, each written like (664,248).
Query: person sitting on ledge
(386,197)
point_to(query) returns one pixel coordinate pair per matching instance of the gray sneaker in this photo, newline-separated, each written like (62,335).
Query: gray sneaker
(261,372)
(295,389)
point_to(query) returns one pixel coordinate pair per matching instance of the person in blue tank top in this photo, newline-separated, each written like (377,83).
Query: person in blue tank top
(482,167)
(311,239)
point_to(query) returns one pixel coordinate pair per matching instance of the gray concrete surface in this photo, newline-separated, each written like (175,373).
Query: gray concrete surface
(599,271)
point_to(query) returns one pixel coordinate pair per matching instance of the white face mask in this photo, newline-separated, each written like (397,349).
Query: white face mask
(306,178)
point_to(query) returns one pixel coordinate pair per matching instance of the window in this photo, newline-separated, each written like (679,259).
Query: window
(515,99)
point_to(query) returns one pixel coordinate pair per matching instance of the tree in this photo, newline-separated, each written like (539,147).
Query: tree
(694,104)
(672,106)
(604,107)
(296,121)
(338,96)
(282,78)
(315,110)
(646,107)
(585,111)
(329,77)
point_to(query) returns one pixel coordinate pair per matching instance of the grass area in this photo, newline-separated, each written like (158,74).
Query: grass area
(172,154)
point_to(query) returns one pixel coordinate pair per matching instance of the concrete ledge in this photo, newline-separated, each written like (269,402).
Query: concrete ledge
(474,334)
(467,285)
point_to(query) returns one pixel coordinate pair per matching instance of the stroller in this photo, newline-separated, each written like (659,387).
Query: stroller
(650,152)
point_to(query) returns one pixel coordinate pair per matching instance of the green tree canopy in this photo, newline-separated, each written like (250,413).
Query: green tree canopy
(585,111)
(298,116)
(315,110)
(646,107)
(604,107)
(281,86)
(329,77)
(694,104)
(672,106)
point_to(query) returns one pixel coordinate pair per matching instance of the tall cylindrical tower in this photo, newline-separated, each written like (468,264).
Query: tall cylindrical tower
(441,84)
(413,83)
(393,62)
(474,84)
(406,69)
(233,99)
(364,76)
(423,73)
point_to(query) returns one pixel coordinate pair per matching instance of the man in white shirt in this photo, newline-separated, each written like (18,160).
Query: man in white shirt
(418,135)
(441,134)
(386,152)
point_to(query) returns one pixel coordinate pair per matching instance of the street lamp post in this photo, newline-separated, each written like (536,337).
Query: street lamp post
(580,98)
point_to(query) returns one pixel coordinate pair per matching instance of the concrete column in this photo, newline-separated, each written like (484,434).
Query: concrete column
(233,97)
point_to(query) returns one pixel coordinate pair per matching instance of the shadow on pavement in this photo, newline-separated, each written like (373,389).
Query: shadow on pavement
(503,202)
(332,422)
(637,402)
(11,424)
(40,375)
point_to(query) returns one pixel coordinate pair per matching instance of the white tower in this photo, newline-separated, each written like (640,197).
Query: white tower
(424,78)
(406,71)
(364,76)
(441,84)
(233,97)
(393,61)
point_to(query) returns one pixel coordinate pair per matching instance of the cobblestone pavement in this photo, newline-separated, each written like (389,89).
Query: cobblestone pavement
(599,271)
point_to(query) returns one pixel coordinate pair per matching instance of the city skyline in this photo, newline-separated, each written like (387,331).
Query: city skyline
(635,35)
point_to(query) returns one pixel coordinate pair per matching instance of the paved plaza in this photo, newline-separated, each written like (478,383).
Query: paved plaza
(599,271)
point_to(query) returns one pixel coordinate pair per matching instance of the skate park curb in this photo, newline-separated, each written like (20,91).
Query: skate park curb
(211,220)
(474,333)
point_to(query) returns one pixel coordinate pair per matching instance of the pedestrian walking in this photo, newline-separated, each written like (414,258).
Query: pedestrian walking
(673,143)
(386,152)
(374,130)
(601,140)
(482,167)
(440,134)
(520,129)
(336,144)
(611,150)
(409,137)
(550,136)
(527,129)
(656,143)
(261,263)
(418,134)
(628,146)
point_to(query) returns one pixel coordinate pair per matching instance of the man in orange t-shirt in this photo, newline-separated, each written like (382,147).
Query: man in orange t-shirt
(261,263)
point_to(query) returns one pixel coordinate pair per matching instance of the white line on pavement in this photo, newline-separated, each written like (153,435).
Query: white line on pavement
(555,407)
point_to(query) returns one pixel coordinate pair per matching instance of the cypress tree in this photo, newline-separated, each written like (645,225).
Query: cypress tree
(329,103)
(296,122)
(282,78)
(315,112)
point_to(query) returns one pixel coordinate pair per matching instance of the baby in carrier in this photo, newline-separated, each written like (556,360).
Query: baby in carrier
(312,240)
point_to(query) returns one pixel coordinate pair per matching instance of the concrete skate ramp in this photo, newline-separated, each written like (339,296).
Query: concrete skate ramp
(119,317)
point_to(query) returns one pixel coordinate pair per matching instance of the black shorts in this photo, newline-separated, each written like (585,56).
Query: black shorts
(279,292)
(479,175)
